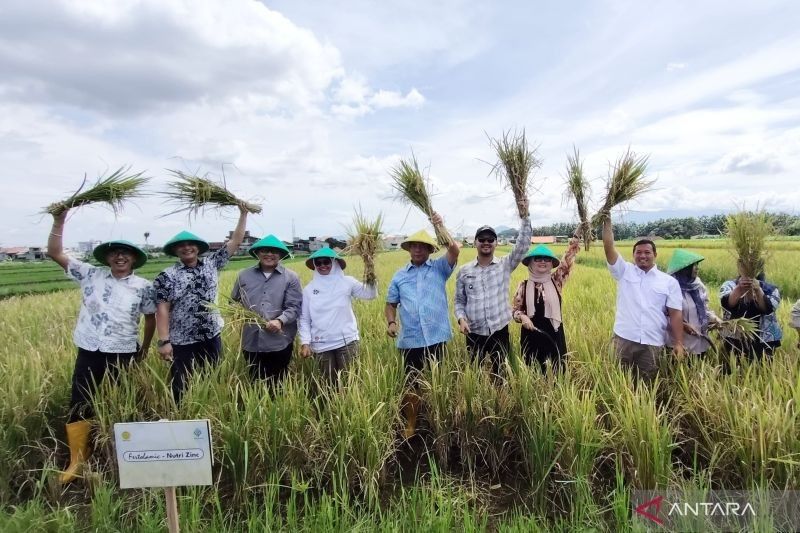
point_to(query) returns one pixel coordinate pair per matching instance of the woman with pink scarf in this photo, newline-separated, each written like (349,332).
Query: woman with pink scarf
(537,305)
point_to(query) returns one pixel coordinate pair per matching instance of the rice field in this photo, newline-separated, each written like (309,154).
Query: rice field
(536,453)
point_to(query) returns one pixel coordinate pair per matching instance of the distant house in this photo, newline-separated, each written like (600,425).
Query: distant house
(548,239)
(392,242)
(23,253)
(247,242)
(310,245)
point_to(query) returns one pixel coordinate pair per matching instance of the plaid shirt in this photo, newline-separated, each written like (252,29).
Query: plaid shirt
(482,292)
(420,293)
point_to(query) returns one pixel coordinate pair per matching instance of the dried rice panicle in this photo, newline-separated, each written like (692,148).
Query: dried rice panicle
(236,314)
(579,190)
(626,182)
(516,160)
(364,236)
(412,189)
(748,233)
(740,328)
(113,190)
(194,193)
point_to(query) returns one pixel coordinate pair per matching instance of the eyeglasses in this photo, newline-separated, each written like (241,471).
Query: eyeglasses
(119,251)
(323,262)
(484,240)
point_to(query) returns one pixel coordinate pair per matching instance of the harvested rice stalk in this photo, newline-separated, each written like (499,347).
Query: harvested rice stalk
(195,193)
(579,190)
(515,162)
(113,190)
(748,233)
(412,189)
(626,182)
(740,328)
(236,314)
(365,240)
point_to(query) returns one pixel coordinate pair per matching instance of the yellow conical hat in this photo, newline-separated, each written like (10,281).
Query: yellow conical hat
(420,236)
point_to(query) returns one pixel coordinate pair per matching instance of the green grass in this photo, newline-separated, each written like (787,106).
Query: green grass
(536,453)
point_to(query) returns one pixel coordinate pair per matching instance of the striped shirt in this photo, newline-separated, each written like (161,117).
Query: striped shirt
(482,291)
(420,293)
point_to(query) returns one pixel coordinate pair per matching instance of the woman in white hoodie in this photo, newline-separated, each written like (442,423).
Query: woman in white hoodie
(327,325)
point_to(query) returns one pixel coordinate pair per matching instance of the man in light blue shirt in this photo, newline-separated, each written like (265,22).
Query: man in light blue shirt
(418,289)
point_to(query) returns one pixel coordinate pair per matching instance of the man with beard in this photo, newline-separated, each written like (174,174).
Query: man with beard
(482,307)
(648,301)
(189,332)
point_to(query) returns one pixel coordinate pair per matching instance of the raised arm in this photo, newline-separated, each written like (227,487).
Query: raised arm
(453,249)
(238,233)
(55,247)
(564,269)
(522,244)
(608,242)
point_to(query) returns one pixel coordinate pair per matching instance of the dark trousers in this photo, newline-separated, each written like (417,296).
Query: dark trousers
(186,358)
(415,358)
(90,369)
(496,346)
(269,366)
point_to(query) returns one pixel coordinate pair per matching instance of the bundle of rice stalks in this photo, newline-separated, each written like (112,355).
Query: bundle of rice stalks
(748,233)
(515,162)
(740,328)
(579,190)
(412,189)
(626,182)
(113,190)
(194,193)
(236,314)
(364,237)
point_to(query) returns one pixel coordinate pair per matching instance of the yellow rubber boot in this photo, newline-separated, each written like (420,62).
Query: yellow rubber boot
(78,440)
(410,410)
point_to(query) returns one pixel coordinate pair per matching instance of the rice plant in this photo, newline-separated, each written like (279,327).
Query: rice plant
(114,190)
(193,194)
(516,161)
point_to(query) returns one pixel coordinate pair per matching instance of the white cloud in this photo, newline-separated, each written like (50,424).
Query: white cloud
(672,67)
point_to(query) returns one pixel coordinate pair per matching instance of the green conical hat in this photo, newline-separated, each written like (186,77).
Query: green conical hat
(420,236)
(541,251)
(185,236)
(682,259)
(270,241)
(101,251)
(325,252)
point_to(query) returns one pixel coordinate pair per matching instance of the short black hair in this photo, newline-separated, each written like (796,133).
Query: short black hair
(645,241)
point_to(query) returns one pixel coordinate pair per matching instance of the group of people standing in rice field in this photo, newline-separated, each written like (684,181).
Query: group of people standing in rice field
(654,310)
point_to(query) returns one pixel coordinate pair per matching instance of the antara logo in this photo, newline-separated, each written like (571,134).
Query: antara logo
(651,509)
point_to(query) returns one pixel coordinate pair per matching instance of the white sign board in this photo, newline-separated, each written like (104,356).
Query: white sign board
(163,454)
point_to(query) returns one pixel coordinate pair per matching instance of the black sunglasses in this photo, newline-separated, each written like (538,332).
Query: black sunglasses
(485,240)
(323,261)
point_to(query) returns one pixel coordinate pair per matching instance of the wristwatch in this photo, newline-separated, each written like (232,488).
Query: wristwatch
(162,343)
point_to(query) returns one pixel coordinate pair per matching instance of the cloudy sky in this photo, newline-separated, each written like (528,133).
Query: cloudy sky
(306,105)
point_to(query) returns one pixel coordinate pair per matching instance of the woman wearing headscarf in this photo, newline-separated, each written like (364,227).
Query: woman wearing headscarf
(327,324)
(697,315)
(752,298)
(537,305)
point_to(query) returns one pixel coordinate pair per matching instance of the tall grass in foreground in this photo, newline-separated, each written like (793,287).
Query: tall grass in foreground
(528,452)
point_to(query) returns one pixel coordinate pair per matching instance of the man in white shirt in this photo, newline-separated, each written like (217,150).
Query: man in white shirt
(648,301)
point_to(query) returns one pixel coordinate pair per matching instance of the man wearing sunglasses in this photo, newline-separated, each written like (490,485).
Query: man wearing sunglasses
(482,307)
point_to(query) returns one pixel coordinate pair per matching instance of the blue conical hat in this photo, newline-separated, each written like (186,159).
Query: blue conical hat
(101,251)
(270,241)
(540,251)
(325,252)
(185,236)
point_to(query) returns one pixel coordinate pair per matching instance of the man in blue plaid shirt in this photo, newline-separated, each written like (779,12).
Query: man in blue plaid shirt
(483,307)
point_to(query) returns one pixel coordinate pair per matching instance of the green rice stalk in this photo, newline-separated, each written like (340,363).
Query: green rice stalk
(412,189)
(626,182)
(194,193)
(113,190)
(748,233)
(515,162)
(579,190)
(364,236)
